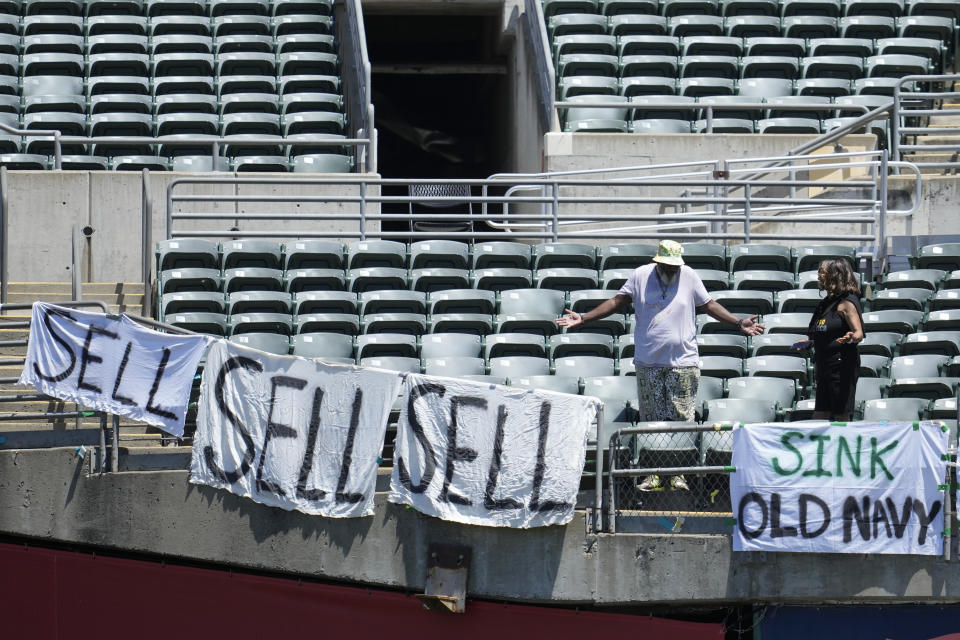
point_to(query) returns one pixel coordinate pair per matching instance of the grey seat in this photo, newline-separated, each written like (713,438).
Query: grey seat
(581,344)
(894,409)
(584,366)
(519,366)
(281,323)
(322,163)
(315,280)
(782,391)
(798,300)
(379,345)
(344,323)
(773,344)
(455,367)
(559,384)
(305,302)
(498,345)
(240,302)
(882,343)
(720,344)
(462,301)
(748,301)
(441,345)
(403,365)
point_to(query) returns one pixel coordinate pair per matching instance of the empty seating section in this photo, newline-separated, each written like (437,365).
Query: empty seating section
(178,70)
(360,303)
(650,59)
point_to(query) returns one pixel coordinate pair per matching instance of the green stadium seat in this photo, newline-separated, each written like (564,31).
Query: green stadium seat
(760,256)
(442,345)
(777,344)
(462,301)
(559,384)
(502,278)
(454,367)
(200,322)
(705,255)
(625,255)
(408,323)
(714,279)
(269,342)
(943,409)
(783,391)
(900,320)
(313,254)
(446,254)
(374,278)
(583,300)
(894,409)
(584,366)
(911,298)
(945,299)
(501,254)
(931,342)
(346,323)
(580,344)
(498,345)
(874,366)
(240,302)
(798,300)
(519,366)
(437,279)
(739,410)
(187,252)
(746,301)
(722,344)
(721,366)
(786,322)
(300,280)
(941,257)
(190,279)
(391,345)
(325,302)
(809,27)
(393,301)
(870,389)
(191,301)
(403,365)
(881,343)
(473,323)
(779,366)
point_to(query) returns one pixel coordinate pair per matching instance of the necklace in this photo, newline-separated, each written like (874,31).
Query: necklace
(663,289)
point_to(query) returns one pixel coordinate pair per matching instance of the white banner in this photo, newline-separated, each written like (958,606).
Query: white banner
(490,455)
(112,364)
(859,488)
(291,432)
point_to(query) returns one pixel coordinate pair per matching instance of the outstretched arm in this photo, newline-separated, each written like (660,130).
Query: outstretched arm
(852,318)
(748,326)
(572,319)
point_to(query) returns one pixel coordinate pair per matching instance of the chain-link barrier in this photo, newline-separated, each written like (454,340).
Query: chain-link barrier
(668,469)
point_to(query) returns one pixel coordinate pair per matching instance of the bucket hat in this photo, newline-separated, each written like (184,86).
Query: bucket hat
(669,252)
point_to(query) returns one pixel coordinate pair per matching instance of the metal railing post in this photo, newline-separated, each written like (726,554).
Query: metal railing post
(611,488)
(103,442)
(880,229)
(363,210)
(115,444)
(746,213)
(598,485)
(57,152)
(4,235)
(555,213)
(894,143)
(76,251)
(146,241)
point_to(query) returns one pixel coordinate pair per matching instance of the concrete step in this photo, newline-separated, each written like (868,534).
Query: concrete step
(118,296)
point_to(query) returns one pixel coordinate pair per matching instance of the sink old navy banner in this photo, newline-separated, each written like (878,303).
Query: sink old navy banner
(291,432)
(112,364)
(490,455)
(859,488)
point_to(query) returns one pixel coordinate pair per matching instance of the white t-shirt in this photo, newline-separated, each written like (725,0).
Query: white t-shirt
(665,332)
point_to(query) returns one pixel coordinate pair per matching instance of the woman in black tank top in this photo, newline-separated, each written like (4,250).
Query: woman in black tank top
(834,331)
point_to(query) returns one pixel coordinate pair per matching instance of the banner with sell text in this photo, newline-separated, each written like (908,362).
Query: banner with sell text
(490,455)
(112,364)
(839,488)
(291,432)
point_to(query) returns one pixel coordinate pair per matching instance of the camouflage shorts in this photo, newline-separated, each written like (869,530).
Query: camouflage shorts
(667,393)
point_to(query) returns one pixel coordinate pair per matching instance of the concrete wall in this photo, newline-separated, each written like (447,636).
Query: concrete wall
(44,206)
(48,494)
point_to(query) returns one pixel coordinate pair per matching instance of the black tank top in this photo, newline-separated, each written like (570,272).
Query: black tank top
(827,325)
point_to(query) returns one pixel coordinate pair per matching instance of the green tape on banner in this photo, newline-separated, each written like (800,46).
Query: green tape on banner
(943,487)
(944,427)
(730,469)
(916,425)
(731,521)
(947,531)
(838,424)
(87,414)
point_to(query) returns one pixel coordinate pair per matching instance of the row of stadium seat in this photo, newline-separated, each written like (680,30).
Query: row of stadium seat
(752,7)
(223,48)
(791,27)
(163,7)
(783,125)
(310,163)
(220,26)
(237,63)
(328,254)
(436,279)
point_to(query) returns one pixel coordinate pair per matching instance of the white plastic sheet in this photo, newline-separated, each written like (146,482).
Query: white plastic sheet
(110,363)
(490,455)
(291,432)
(854,488)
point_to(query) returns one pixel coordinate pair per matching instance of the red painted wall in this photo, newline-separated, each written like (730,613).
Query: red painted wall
(50,594)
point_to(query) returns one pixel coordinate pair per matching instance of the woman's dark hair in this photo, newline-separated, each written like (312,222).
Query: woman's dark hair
(838,278)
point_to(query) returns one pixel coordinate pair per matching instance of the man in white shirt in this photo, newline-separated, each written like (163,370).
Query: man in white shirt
(666,295)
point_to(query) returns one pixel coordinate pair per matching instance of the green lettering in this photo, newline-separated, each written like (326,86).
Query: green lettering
(819,472)
(785,441)
(843,449)
(875,457)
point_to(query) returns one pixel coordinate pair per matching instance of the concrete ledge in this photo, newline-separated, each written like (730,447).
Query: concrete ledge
(47,494)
